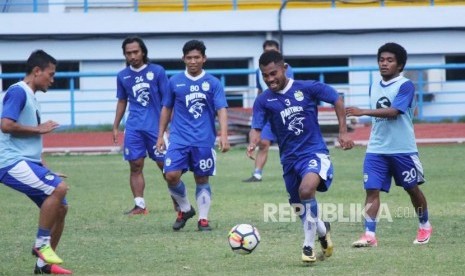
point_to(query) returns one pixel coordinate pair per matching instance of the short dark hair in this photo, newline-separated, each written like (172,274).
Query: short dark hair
(141,43)
(194,45)
(269,57)
(397,50)
(272,43)
(39,58)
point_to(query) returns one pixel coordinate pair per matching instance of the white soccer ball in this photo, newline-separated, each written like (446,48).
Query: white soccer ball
(243,238)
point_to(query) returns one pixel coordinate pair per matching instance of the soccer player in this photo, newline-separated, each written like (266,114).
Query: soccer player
(267,137)
(21,166)
(195,98)
(291,108)
(392,151)
(143,85)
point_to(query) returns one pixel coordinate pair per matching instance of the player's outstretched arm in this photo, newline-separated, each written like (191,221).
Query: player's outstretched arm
(380,112)
(12,127)
(344,139)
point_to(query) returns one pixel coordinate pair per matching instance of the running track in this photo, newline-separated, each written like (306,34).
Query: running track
(103,141)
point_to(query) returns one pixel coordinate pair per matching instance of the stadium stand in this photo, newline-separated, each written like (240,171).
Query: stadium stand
(218,5)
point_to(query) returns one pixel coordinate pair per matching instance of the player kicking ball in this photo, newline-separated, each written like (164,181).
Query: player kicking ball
(291,108)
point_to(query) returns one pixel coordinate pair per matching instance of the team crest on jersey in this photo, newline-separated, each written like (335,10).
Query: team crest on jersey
(296,125)
(293,115)
(205,86)
(196,109)
(167,162)
(299,95)
(150,75)
(383,102)
(50,177)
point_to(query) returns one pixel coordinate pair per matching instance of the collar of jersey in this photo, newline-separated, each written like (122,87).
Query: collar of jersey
(288,86)
(391,81)
(138,69)
(196,77)
(26,87)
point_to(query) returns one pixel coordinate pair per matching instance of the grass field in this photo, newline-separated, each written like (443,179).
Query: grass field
(99,240)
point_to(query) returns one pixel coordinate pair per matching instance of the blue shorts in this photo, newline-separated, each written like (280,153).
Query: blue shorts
(319,163)
(379,169)
(200,160)
(137,143)
(267,134)
(31,179)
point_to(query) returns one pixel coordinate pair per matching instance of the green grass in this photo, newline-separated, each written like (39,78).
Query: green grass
(99,240)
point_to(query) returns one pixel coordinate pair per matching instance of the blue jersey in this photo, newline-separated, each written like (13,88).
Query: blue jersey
(261,83)
(19,104)
(195,101)
(293,115)
(393,135)
(144,90)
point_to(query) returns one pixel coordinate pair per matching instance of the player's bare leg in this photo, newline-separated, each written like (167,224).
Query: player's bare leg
(372,204)
(137,183)
(260,161)
(50,212)
(421,208)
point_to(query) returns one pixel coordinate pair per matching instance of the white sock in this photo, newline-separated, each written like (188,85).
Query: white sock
(309,233)
(203,197)
(40,262)
(42,240)
(370,233)
(140,202)
(320,228)
(425,225)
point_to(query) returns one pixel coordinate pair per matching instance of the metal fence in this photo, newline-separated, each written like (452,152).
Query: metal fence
(437,98)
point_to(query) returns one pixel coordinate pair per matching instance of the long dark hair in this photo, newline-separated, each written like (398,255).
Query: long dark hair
(141,43)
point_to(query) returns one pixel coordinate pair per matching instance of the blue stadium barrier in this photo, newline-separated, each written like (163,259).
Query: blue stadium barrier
(97,102)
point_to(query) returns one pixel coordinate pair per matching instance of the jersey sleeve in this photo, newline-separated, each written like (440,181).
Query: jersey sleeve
(323,92)
(219,96)
(404,98)
(163,84)
(259,114)
(13,103)
(120,91)
(168,100)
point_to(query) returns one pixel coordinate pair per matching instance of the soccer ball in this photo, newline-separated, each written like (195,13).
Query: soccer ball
(243,238)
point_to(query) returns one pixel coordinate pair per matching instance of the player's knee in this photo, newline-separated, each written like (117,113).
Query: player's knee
(136,166)
(61,189)
(264,145)
(172,178)
(307,191)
